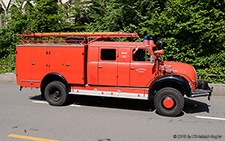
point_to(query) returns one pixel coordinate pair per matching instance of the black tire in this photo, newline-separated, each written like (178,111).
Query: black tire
(56,93)
(173,97)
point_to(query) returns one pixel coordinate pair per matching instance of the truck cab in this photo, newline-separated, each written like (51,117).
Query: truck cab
(87,64)
(116,64)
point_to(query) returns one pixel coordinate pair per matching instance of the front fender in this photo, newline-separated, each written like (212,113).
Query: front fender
(175,81)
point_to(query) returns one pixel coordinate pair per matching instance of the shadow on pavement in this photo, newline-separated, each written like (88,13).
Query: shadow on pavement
(190,107)
(37,97)
(106,102)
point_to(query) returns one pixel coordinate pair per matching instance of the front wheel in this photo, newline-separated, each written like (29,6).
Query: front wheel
(56,93)
(169,102)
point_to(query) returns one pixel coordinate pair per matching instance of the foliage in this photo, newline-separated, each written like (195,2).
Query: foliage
(193,30)
(38,18)
(41,17)
(5,39)
(215,66)
(190,29)
(44,16)
(116,15)
(74,15)
(8,40)
(47,16)
(7,64)
(212,74)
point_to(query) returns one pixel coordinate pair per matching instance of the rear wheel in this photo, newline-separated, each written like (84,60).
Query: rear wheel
(56,93)
(169,102)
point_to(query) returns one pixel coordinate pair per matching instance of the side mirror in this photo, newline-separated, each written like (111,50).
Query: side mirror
(159,44)
(159,52)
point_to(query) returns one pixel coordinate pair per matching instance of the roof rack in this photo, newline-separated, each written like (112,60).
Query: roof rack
(87,37)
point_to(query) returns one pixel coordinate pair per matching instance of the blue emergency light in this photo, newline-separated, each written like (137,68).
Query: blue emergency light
(146,38)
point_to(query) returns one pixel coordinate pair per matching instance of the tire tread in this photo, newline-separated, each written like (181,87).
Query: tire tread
(180,98)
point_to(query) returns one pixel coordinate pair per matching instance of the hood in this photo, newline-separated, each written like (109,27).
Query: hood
(185,70)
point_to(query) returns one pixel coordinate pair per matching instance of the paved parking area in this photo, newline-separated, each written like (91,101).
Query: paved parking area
(24,116)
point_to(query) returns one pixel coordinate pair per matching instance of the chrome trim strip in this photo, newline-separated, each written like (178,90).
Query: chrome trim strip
(139,88)
(147,64)
(116,46)
(122,63)
(118,94)
(30,81)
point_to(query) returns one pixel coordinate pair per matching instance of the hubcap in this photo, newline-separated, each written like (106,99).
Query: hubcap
(55,94)
(168,102)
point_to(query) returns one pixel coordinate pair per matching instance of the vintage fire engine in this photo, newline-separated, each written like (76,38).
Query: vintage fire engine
(86,64)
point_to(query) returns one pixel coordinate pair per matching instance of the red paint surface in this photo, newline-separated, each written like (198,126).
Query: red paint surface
(168,103)
(82,64)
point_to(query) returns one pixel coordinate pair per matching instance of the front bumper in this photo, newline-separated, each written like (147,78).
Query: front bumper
(202,92)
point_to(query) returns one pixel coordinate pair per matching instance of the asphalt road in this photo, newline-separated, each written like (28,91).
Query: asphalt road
(24,116)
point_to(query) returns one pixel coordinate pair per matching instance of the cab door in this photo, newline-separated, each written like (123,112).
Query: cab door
(107,66)
(124,66)
(141,68)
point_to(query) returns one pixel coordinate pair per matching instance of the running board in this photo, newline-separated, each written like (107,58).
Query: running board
(117,94)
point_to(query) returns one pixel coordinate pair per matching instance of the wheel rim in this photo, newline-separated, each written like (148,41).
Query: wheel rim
(168,102)
(55,94)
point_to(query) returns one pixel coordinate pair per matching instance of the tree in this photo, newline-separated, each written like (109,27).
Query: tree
(191,29)
(116,15)
(74,15)
(40,17)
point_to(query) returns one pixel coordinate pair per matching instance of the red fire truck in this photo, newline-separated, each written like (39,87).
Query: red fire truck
(86,64)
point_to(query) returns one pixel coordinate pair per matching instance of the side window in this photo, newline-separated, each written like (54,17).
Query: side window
(140,55)
(108,54)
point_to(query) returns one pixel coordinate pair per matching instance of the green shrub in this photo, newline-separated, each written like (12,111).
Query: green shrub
(7,64)
(212,74)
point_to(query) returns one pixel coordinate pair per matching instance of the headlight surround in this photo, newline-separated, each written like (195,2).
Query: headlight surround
(196,76)
(190,84)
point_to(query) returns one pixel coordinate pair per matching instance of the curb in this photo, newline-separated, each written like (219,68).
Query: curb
(218,89)
(7,77)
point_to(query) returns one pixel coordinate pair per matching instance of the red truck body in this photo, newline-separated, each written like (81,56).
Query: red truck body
(86,66)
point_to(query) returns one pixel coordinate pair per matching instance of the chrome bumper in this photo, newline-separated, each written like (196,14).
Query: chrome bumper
(201,92)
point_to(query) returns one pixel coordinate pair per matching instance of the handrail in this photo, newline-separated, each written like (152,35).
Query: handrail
(89,37)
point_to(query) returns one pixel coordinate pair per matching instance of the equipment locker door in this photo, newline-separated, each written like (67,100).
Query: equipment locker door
(23,63)
(57,58)
(38,62)
(75,64)
(107,66)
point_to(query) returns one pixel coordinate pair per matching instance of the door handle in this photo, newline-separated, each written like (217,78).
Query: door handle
(99,66)
(132,68)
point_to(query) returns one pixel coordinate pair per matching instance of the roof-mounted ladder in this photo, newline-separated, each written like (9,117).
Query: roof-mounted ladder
(88,37)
